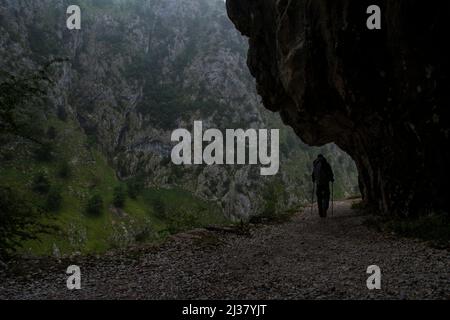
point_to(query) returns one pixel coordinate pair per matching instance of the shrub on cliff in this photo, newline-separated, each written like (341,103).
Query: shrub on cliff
(120,196)
(134,187)
(159,208)
(64,170)
(94,205)
(41,184)
(54,200)
(17,216)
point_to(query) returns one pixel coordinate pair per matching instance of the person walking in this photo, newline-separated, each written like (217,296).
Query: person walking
(322,176)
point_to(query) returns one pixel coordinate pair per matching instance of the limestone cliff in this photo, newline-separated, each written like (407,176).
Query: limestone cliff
(381,95)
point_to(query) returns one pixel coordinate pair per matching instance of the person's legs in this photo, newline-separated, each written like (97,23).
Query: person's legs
(326,201)
(320,201)
(323,199)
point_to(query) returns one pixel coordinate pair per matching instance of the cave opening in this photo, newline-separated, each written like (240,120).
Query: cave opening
(379,95)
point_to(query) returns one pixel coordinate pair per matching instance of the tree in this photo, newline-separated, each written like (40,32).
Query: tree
(16,92)
(54,200)
(17,221)
(41,184)
(44,152)
(159,208)
(64,170)
(52,133)
(134,187)
(95,205)
(120,196)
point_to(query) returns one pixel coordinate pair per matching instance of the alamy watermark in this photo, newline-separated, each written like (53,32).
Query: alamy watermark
(74,280)
(374,281)
(74,20)
(236,147)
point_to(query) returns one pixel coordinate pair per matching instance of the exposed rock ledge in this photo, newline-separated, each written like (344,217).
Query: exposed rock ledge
(380,95)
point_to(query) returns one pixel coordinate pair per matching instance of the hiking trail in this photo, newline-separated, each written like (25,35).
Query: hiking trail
(305,258)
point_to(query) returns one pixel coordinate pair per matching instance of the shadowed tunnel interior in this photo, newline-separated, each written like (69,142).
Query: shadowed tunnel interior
(381,95)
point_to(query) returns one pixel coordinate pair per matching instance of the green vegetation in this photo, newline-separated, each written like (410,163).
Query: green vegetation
(17,220)
(178,210)
(272,194)
(41,184)
(120,195)
(135,187)
(433,227)
(93,207)
(18,92)
(54,200)
(64,171)
(159,208)
(44,152)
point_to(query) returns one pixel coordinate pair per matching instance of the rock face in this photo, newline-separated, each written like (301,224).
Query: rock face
(380,95)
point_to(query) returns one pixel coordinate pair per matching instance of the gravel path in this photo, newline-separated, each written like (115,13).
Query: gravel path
(306,258)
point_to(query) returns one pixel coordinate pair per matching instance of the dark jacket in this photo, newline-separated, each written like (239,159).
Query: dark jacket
(322,172)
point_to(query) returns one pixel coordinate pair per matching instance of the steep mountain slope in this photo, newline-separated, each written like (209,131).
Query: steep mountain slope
(136,71)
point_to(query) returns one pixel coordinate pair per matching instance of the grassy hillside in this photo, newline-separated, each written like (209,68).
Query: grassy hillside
(62,179)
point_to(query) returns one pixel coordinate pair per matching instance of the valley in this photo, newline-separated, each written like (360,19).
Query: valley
(103,175)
